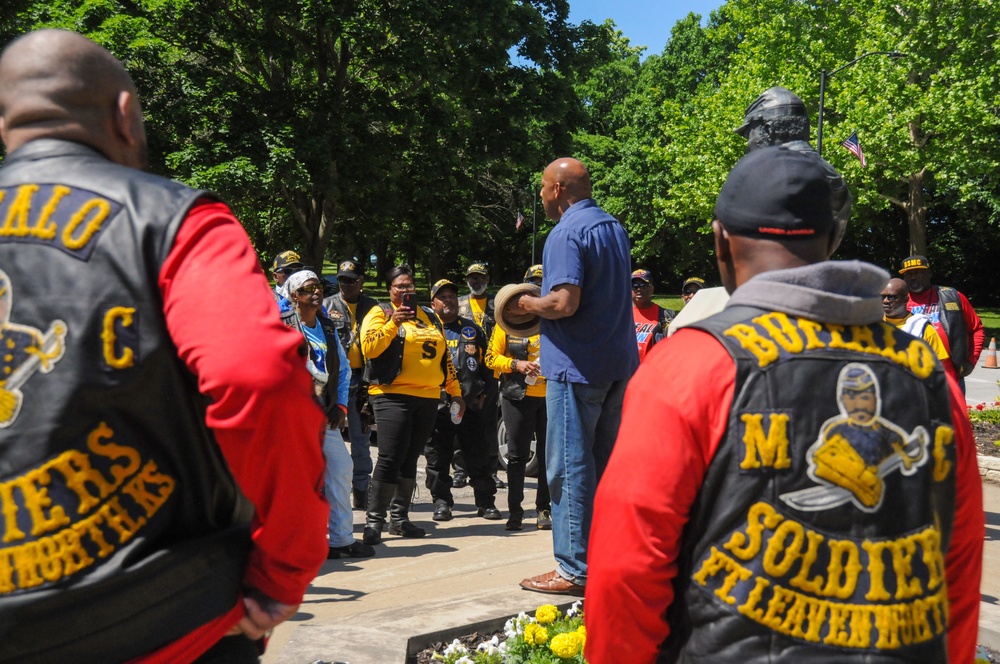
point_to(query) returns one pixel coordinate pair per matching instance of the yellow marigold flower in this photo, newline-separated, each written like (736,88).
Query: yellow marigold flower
(546,614)
(535,635)
(566,645)
(582,631)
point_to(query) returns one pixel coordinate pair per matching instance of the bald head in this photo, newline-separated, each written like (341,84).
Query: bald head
(59,84)
(895,296)
(564,182)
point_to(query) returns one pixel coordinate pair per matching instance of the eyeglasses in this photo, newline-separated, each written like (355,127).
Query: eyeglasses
(311,288)
(638,285)
(691,291)
(404,288)
(347,281)
(890,297)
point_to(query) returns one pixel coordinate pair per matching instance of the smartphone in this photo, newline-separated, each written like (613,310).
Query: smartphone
(410,302)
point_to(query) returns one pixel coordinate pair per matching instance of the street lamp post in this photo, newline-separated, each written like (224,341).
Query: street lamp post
(824,74)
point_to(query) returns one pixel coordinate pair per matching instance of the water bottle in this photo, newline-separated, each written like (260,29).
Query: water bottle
(530,379)
(454,410)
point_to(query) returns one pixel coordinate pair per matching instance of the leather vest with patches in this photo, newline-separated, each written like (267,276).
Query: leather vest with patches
(123,529)
(468,366)
(340,315)
(512,385)
(820,530)
(489,315)
(953,322)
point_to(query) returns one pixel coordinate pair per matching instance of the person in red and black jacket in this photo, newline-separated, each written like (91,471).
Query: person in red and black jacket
(651,320)
(950,312)
(794,479)
(166,421)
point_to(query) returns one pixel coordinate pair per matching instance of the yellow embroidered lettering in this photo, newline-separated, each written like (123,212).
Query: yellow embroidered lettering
(842,573)
(779,558)
(45,228)
(801,580)
(811,330)
(16,223)
(108,336)
(876,571)
(112,451)
(746,546)
(902,551)
(771,450)
(782,331)
(141,488)
(765,350)
(100,208)
(80,476)
(943,435)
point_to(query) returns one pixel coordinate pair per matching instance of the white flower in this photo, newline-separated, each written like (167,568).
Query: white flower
(575,609)
(456,648)
(464,660)
(510,628)
(503,648)
(490,647)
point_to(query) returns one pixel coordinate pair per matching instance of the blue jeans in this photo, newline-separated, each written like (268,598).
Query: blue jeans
(337,488)
(583,422)
(360,453)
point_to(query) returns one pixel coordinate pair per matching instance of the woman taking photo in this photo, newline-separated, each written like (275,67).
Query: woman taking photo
(406,364)
(331,379)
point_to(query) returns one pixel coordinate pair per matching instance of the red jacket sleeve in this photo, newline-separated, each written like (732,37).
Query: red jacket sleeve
(675,414)
(223,321)
(977,335)
(222,318)
(964,559)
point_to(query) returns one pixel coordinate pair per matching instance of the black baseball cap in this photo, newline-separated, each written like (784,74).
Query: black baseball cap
(776,193)
(442,283)
(916,262)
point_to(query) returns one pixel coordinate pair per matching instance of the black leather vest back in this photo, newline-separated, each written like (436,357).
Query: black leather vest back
(820,530)
(123,528)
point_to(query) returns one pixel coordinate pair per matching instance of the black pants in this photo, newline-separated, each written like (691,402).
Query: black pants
(492,444)
(523,418)
(471,436)
(404,425)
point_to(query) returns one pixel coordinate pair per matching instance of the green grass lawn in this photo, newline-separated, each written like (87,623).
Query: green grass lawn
(991,321)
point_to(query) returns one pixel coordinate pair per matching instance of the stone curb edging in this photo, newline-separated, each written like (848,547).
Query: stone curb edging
(417,644)
(989,468)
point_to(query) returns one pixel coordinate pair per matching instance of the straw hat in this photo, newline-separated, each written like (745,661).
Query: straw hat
(517,325)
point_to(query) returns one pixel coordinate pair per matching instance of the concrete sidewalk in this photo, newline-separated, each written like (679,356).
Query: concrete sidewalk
(466,571)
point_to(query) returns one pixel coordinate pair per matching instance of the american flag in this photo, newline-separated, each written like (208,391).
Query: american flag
(854,146)
(520,220)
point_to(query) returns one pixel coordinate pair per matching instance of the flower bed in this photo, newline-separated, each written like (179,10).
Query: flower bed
(548,637)
(985,420)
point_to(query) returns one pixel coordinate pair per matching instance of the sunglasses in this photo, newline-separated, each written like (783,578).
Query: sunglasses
(692,291)
(347,281)
(890,297)
(638,285)
(311,288)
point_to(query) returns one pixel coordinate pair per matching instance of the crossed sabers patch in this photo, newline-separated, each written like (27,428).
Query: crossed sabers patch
(26,350)
(856,449)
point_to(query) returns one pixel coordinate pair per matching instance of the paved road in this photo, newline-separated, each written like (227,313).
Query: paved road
(981,384)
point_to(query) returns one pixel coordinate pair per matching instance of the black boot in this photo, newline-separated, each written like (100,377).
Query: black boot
(379,496)
(399,510)
(359,499)
(515,494)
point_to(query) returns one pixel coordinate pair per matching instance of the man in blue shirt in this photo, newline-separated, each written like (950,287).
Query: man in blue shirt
(588,353)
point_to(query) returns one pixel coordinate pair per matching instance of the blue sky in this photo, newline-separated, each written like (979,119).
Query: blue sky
(645,22)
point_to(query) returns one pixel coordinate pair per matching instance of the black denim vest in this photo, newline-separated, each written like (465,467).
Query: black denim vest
(123,525)
(819,532)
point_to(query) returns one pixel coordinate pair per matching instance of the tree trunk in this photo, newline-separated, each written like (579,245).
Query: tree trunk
(916,213)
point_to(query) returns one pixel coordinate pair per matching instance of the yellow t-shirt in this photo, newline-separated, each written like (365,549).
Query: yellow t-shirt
(478,308)
(930,335)
(498,360)
(354,350)
(426,360)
